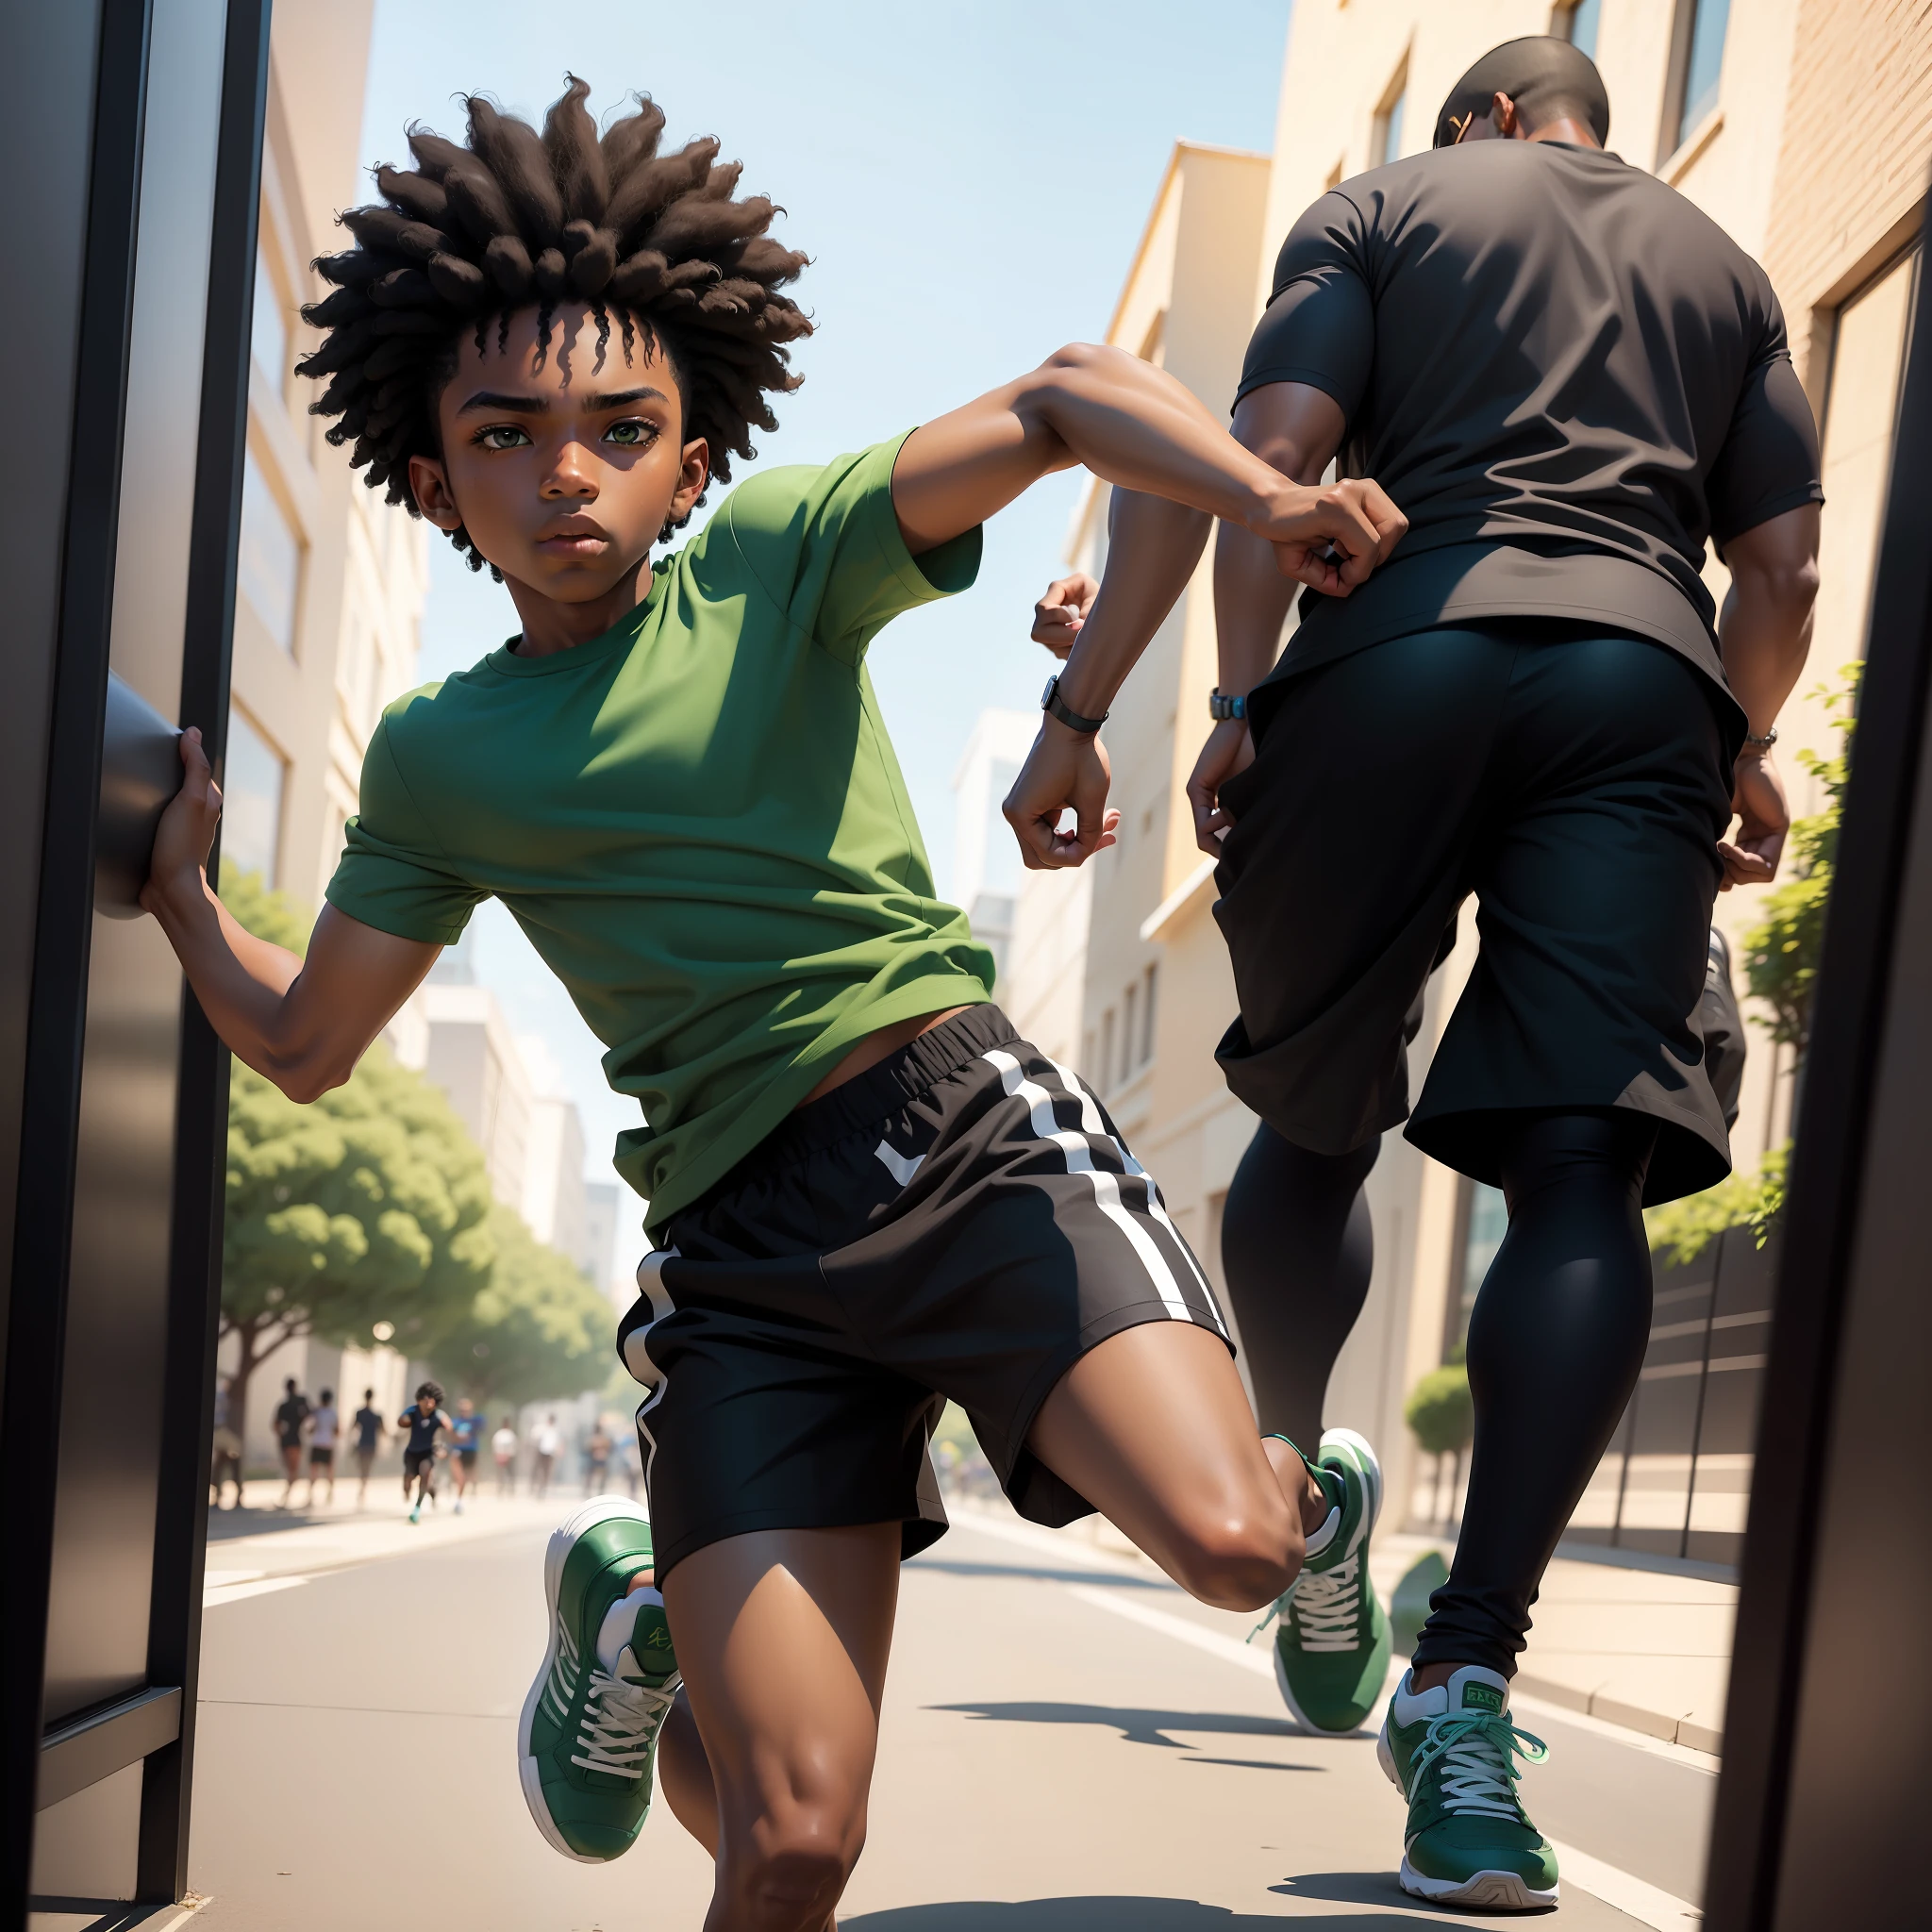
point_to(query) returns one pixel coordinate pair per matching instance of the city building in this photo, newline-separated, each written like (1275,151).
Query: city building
(986,862)
(1804,128)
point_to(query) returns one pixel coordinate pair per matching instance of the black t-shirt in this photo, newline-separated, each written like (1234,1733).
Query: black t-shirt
(422,1424)
(290,1416)
(368,1428)
(1567,376)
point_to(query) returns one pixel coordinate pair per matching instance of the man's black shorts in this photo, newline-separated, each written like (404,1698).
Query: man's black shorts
(415,1459)
(960,1221)
(467,1458)
(1576,784)
(321,1459)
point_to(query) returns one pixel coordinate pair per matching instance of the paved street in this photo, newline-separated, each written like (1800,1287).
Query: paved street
(1069,1744)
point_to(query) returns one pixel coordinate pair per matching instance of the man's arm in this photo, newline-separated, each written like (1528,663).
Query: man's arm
(302,1023)
(1293,429)
(1765,634)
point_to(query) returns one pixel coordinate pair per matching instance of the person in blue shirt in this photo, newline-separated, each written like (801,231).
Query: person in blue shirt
(423,1419)
(466,1437)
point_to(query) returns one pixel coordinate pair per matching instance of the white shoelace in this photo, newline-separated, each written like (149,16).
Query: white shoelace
(621,1720)
(1477,1752)
(1328,1606)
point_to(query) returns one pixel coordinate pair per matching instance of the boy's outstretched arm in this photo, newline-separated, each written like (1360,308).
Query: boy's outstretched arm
(302,1023)
(1135,427)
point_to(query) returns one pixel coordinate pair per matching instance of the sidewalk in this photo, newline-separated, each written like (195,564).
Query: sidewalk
(1646,1649)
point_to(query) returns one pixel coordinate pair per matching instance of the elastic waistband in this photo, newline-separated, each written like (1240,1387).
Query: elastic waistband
(904,1075)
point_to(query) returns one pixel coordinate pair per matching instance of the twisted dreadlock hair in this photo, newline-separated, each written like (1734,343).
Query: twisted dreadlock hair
(515,220)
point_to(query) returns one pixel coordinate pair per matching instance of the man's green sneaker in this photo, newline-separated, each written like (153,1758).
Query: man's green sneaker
(1451,1752)
(589,1725)
(1332,1643)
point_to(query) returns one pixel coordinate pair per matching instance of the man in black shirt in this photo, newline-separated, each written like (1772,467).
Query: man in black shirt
(291,1417)
(1568,380)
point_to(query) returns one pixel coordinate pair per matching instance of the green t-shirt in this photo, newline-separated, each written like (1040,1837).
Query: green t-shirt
(696,818)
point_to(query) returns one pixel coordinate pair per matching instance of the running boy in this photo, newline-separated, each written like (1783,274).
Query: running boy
(423,1419)
(866,1192)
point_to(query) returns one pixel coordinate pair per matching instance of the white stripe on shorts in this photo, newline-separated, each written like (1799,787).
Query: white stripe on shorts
(1092,1121)
(637,1344)
(1106,1187)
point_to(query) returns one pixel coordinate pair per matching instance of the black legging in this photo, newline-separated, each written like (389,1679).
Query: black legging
(1556,1338)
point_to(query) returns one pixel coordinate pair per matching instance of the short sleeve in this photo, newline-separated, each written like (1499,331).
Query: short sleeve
(394,875)
(1320,323)
(1768,464)
(824,545)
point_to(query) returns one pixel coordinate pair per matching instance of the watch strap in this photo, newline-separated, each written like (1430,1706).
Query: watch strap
(1051,702)
(1224,705)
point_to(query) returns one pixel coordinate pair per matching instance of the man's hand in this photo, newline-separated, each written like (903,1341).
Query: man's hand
(1758,797)
(1059,614)
(1064,768)
(186,830)
(1230,749)
(1331,537)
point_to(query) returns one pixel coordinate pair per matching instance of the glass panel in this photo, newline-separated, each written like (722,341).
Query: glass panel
(1663,1418)
(251,802)
(270,560)
(1705,66)
(1390,149)
(268,336)
(1581,26)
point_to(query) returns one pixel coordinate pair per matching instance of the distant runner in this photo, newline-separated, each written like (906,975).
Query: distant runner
(292,1414)
(370,1430)
(466,1437)
(504,1445)
(423,1419)
(547,1440)
(324,1426)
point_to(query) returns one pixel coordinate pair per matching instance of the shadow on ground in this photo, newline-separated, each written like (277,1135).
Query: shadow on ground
(1105,1915)
(1135,1726)
(1103,1579)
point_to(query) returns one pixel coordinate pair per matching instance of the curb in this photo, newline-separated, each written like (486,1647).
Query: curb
(1633,1717)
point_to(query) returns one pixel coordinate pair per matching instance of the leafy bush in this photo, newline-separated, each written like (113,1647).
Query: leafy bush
(1682,1231)
(1440,1413)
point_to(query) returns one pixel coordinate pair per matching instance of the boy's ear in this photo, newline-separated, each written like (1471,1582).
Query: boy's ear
(429,482)
(694,471)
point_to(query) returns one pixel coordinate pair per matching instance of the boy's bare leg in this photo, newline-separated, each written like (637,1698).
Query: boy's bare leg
(1154,1428)
(782,1637)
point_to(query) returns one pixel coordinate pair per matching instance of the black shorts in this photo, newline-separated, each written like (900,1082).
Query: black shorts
(1576,784)
(467,1458)
(960,1221)
(416,1459)
(321,1458)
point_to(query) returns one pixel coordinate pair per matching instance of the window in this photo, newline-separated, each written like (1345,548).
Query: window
(268,330)
(1485,1221)
(252,778)
(1105,1070)
(1578,25)
(1388,140)
(270,569)
(1153,985)
(1129,1006)
(1697,63)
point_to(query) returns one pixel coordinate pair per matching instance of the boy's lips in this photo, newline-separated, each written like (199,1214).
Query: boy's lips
(575,540)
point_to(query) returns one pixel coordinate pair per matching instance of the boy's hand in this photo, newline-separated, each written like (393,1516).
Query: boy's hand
(1059,614)
(1333,536)
(187,829)
(1064,768)
(1230,749)
(1757,797)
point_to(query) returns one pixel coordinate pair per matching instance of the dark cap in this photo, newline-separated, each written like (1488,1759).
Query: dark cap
(1537,73)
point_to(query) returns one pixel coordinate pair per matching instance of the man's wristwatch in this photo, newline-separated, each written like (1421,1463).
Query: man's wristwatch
(1765,742)
(1051,701)
(1223,705)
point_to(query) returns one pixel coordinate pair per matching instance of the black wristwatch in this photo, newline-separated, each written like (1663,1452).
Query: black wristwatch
(1223,706)
(1051,701)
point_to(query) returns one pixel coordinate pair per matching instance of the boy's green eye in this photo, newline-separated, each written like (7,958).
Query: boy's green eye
(502,436)
(630,434)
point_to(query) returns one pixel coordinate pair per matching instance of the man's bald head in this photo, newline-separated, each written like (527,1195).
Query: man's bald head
(1547,79)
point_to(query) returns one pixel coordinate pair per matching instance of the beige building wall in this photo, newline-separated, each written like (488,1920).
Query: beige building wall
(1813,155)
(332,581)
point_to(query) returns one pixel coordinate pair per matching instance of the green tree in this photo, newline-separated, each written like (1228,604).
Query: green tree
(370,1206)
(536,1328)
(1441,1415)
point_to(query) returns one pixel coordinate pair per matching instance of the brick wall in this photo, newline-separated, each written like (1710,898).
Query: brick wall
(1856,150)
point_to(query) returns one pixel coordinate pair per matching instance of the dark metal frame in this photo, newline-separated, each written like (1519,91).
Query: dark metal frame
(154,1725)
(50,1098)
(1820,1283)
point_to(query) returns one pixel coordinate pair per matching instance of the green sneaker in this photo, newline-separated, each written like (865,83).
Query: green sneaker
(1451,1752)
(1333,1643)
(589,1731)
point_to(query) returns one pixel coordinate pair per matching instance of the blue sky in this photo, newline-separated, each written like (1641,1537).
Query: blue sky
(970,181)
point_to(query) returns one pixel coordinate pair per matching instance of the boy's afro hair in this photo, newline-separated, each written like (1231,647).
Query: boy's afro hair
(515,219)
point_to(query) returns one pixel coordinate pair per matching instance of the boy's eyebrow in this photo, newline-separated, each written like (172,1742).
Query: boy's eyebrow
(617,399)
(489,399)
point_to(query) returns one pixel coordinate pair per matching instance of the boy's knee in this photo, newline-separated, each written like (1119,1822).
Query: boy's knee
(787,1872)
(1238,1559)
